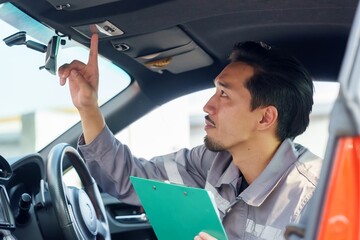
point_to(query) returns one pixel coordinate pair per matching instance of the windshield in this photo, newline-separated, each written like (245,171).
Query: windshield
(31,97)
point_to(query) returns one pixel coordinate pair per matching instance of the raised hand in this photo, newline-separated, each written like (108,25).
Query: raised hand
(83,82)
(83,78)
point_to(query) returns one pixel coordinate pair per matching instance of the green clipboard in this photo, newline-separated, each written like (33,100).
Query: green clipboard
(178,212)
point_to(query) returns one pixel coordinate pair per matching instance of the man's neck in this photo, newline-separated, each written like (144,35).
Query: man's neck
(253,158)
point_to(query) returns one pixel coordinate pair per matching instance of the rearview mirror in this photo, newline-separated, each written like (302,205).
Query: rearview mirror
(51,49)
(51,55)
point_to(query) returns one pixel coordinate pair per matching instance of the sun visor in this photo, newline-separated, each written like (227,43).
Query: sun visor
(169,49)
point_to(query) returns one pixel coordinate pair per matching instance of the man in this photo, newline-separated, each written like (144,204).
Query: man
(261,180)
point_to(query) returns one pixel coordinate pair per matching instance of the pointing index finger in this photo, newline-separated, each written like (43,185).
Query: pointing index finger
(93,56)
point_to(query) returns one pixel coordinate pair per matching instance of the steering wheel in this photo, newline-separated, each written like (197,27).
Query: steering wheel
(80,212)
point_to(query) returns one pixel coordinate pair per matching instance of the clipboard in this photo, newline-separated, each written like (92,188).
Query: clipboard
(178,212)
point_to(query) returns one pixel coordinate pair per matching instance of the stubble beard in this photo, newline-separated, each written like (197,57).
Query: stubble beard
(212,145)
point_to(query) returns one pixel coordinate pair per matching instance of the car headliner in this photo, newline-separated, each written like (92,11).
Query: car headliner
(314,31)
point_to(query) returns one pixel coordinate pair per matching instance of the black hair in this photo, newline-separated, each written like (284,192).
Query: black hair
(279,80)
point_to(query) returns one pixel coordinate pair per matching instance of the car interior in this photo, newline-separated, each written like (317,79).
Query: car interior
(167,49)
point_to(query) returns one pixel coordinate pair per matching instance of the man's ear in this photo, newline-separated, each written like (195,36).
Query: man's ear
(269,117)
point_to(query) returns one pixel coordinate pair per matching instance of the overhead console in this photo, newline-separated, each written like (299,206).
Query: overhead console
(170,49)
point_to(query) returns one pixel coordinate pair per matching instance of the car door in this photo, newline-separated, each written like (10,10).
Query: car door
(334,213)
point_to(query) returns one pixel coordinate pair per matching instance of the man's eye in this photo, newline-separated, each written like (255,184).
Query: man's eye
(222,93)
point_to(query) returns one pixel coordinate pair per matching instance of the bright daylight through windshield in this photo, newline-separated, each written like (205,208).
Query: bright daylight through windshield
(33,97)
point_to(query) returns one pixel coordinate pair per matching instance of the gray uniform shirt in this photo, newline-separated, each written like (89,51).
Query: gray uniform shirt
(277,197)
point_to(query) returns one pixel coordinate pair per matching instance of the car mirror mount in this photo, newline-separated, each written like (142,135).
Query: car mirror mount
(51,49)
(51,55)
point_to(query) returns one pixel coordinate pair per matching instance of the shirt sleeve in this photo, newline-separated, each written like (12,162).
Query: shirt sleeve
(111,163)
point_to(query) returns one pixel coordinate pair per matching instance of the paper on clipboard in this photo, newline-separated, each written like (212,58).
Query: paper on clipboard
(178,212)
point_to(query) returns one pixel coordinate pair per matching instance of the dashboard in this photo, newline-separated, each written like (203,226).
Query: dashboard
(27,210)
(20,183)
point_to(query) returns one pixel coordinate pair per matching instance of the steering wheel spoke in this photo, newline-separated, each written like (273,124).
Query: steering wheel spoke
(102,229)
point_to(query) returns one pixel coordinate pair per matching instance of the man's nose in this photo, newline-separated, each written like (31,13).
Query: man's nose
(209,107)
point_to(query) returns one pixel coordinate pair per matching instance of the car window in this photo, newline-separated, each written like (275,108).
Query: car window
(180,123)
(34,108)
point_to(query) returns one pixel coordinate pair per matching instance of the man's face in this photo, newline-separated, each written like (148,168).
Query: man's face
(230,122)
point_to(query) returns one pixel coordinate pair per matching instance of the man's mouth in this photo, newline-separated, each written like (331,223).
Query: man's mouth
(209,123)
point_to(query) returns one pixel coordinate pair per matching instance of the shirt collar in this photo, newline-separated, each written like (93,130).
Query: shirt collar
(256,193)
(230,176)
